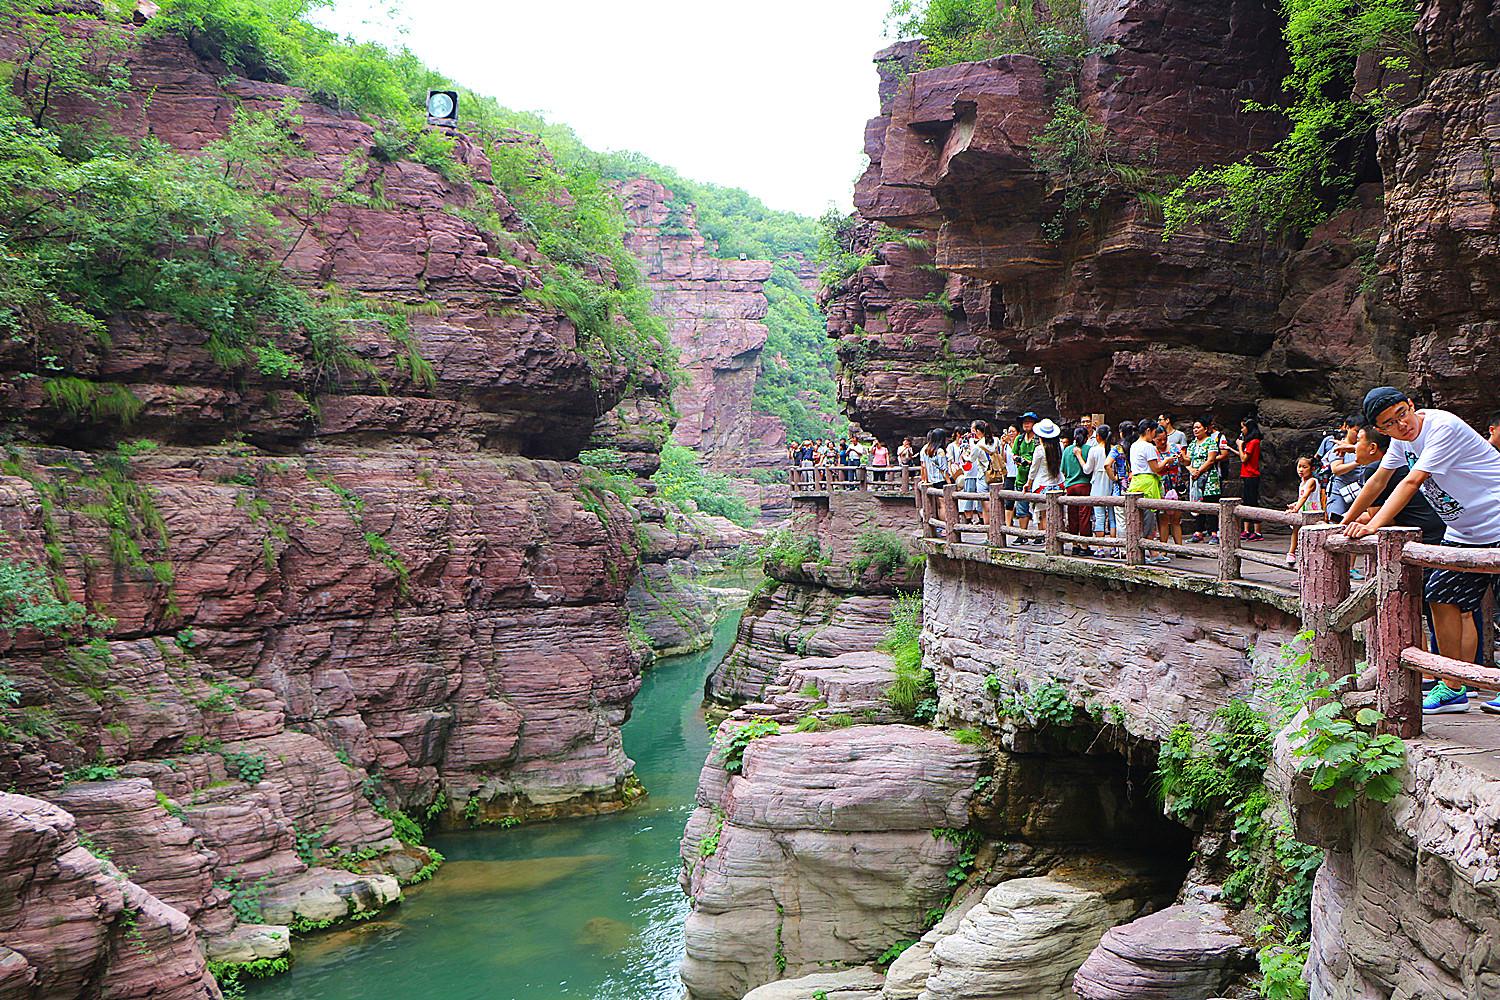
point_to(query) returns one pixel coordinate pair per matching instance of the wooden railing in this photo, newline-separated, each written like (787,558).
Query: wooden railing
(1389,602)
(821,479)
(938,511)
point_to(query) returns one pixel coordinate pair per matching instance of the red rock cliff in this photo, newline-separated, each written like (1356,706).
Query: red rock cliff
(1120,321)
(714,309)
(351,594)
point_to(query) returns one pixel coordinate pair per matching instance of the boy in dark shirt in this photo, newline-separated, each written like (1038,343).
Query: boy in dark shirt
(1369,449)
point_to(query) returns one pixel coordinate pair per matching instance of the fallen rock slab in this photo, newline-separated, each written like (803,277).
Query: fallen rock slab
(1183,952)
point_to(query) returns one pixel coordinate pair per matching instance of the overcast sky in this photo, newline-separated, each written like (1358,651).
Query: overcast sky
(771,97)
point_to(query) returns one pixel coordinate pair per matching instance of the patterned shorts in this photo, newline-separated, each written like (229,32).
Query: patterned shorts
(1463,590)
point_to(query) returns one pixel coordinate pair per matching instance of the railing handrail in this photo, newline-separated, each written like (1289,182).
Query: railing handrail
(1392,601)
(819,480)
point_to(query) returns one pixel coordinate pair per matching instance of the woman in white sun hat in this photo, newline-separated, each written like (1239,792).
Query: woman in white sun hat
(1046,467)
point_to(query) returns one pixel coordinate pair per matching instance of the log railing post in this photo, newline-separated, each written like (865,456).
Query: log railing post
(1054,510)
(997,516)
(950,511)
(905,479)
(1134,554)
(864,477)
(925,511)
(1229,538)
(1397,625)
(1323,580)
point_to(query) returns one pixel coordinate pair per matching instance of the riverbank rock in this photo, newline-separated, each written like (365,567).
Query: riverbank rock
(1028,936)
(822,850)
(73,924)
(1183,952)
(855,984)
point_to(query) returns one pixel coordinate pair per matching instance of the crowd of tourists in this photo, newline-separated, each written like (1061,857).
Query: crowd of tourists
(1394,463)
(1154,458)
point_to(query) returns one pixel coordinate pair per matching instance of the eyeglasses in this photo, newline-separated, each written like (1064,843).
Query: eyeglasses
(1405,411)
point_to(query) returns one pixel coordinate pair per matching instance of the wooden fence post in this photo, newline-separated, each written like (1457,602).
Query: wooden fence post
(864,478)
(1134,554)
(1323,580)
(997,516)
(925,511)
(905,479)
(1054,509)
(1397,625)
(950,511)
(1229,538)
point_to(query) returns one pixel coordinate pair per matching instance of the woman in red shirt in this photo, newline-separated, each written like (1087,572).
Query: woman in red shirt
(1249,449)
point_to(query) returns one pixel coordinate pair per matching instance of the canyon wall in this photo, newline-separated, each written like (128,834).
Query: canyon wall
(826,592)
(714,308)
(1092,300)
(320,596)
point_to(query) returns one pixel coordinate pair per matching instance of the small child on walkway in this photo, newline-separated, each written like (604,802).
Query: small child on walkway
(1310,499)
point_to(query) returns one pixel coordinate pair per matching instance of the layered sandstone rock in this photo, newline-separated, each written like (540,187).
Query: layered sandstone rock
(912,346)
(669,599)
(838,600)
(714,309)
(1179,953)
(1028,936)
(1441,235)
(822,851)
(1175,657)
(73,924)
(361,585)
(1405,902)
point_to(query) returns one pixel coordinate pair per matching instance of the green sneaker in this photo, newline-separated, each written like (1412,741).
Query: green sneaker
(1442,700)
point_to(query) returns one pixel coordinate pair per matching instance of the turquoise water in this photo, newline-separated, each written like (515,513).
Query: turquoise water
(585,908)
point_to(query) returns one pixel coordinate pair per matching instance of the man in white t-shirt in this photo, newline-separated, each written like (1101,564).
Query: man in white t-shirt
(1458,473)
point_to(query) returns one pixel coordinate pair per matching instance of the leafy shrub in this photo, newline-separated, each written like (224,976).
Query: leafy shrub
(247,767)
(969,737)
(783,552)
(91,772)
(1346,757)
(683,480)
(29,600)
(958,31)
(244,897)
(894,952)
(1046,704)
(884,550)
(1300,181)
(1281,968)
(913,691)
(734,747)
(839,251)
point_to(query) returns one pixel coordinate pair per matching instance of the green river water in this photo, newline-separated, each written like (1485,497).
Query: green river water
(585,908)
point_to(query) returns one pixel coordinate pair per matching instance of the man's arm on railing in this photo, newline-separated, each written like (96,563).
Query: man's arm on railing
(1373,487)
(1400,497)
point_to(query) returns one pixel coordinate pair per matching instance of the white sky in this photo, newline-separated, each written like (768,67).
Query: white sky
(770,96)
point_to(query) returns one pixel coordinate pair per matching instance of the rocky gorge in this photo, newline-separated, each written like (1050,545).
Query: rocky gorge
(281,623)
(265,620)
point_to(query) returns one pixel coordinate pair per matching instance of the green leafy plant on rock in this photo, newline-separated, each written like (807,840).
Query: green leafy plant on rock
(734,746)
(913,691)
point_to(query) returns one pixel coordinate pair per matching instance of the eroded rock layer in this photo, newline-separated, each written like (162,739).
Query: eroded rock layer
(714,309)
(323,593)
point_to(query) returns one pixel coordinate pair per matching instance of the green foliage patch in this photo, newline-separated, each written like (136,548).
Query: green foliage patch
(913,691)
(684,481)
(733,748)
(1306,177)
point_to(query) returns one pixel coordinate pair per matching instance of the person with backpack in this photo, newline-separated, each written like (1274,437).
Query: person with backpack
(1077,482)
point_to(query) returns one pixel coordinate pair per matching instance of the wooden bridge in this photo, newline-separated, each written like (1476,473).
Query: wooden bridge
(1383,613)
